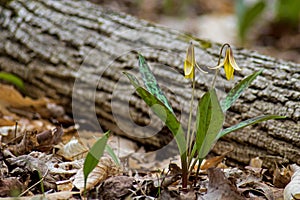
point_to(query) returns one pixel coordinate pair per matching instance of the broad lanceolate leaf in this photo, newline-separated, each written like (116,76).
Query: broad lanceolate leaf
(93,156)
(248,122)
(237,90)
(151,83)
(12,79)
(209,122)
(163,112)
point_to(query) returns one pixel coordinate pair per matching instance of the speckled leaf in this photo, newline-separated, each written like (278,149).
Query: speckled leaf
(162,111)
(248,123)
(209,122)
(237,90)
(151,83)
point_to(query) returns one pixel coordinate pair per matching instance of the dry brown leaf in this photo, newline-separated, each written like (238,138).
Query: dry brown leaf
(73,150)
(115,187)
(32,163)
(220,188)
(281,177)
(27,144)
(105,168)
(32,140)
(11,97)
(292,190)
(256,162)
(6,122)
(65,185)
(212,162)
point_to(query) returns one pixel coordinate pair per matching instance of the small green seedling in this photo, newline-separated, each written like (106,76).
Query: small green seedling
(93,156)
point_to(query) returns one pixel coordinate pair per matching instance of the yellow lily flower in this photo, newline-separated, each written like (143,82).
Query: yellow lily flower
(190,63)
(229,64)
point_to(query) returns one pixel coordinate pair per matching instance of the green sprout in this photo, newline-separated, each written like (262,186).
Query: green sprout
(210,111)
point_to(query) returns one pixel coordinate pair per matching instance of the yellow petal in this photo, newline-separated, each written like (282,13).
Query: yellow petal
(229,70)
(188,70)
(232,60)
(189,63)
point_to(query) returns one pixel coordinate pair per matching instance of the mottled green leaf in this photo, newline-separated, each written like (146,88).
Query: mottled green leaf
(93,156)
(151,83)
(209,122)
(237,90)
(248,122)
(162,111)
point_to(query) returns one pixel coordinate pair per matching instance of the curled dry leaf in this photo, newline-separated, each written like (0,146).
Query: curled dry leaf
(115,187)
(106,167)
(32,140)
(73,150)
(32,163)
(281,177)
(292,190)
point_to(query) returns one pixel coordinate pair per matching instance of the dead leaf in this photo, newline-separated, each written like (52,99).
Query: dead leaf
(65,185)
(105,168)
(73,150)
(220,188)
(292,190)
(281,177)
(31,164)
(256,162)
(27,144)
(11,97)
(32,140)
(10,186)
(212,162)
(65,169)
(115,187)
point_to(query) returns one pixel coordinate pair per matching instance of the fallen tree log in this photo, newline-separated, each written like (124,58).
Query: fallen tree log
(75,52)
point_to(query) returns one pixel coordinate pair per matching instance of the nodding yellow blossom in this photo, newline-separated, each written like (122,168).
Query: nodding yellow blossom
(229,64)
(190,63)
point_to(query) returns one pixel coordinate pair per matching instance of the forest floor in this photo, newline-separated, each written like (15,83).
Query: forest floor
(42,155)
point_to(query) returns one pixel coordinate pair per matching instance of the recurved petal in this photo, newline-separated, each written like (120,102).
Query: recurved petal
(232,60)
(218,66)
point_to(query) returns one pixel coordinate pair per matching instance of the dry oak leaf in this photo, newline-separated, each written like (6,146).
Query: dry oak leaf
(106,168)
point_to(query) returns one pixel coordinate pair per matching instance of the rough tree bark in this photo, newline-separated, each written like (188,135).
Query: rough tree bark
(54,44)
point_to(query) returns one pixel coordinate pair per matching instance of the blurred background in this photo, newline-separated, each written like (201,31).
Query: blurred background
(270,27)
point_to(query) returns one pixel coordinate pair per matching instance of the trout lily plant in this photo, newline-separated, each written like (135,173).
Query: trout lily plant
(198,139)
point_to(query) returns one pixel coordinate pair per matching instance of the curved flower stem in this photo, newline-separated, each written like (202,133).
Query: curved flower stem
(217,70)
